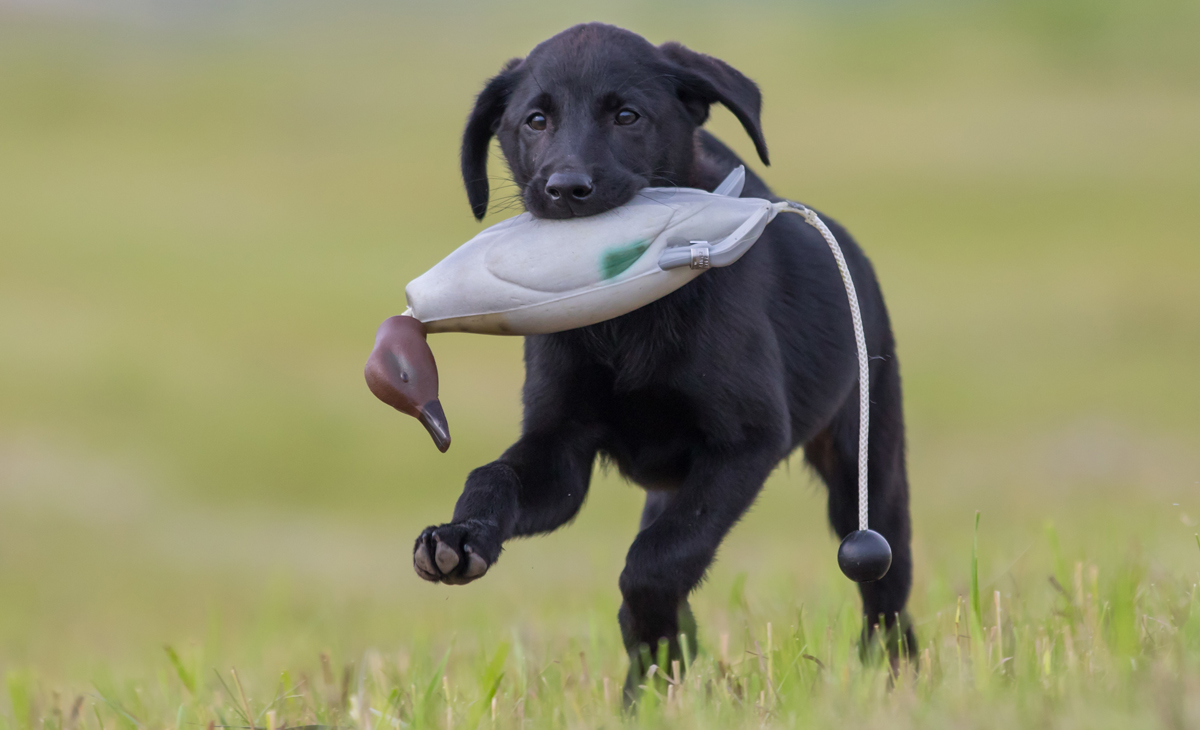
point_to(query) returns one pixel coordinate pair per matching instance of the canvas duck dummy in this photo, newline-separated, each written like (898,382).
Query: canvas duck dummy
(525,276)
(529,276)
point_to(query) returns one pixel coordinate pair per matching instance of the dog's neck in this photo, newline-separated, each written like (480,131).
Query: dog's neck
(707,170)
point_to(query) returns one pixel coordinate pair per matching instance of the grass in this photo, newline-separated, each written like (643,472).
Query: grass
(1120,651)
(204,214)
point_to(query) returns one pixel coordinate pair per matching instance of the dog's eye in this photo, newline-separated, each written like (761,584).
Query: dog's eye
(536,121)
(627,116)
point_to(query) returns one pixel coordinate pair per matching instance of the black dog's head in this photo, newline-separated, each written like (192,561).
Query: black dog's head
(595,114)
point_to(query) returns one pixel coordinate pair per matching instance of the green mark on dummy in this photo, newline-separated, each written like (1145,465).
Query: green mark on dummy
(616,260)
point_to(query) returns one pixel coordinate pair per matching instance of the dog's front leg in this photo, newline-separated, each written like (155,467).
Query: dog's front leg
(670,556)
(536,486)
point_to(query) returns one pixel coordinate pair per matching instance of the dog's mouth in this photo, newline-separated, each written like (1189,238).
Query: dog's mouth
(542,206)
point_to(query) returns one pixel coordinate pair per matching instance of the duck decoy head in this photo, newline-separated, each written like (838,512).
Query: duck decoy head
(402,373)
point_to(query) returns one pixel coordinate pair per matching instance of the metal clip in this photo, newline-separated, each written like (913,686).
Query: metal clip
(699,250)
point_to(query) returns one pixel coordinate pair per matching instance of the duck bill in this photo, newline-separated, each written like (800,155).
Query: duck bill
(433,418)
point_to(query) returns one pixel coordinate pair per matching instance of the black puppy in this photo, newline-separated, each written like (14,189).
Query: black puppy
(698,396)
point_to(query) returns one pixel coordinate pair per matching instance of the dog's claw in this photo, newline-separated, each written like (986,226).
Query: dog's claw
(423,565)
(446,557)
(476,566)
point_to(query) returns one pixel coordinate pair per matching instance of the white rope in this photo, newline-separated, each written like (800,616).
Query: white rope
(864,376)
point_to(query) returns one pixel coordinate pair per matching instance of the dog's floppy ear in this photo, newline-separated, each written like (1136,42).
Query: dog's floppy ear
(481,126)
(703,80)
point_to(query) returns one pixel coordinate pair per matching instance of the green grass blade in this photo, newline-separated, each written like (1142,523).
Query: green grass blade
(20,694)
(423,712)
(185,677)
(233,701)
(117,708)
(492,676)
(1060,567)
(976,607)
(979,664)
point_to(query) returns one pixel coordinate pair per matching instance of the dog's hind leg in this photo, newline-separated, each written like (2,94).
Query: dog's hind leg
(834,455)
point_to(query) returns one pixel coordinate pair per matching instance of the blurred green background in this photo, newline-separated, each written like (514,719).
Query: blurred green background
(207,208)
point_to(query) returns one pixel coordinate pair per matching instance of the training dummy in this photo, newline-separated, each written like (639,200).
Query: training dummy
(525,276)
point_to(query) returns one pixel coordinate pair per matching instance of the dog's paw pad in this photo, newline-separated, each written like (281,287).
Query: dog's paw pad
(446,556)
(476,566)
(422,564)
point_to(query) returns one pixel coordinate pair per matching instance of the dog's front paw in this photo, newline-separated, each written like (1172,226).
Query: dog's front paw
(456,553)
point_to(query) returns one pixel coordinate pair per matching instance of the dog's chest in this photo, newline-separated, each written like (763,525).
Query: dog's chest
(651,426)
(637,351)
(651,435)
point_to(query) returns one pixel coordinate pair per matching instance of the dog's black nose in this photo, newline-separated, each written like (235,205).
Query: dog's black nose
(575,184)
